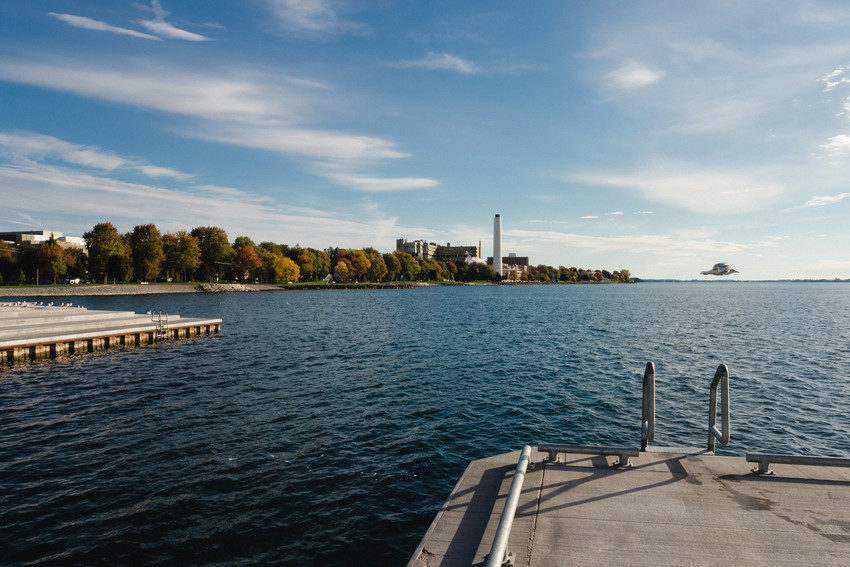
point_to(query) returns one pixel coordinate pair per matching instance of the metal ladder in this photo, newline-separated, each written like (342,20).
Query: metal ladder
(721,379)
(161,319)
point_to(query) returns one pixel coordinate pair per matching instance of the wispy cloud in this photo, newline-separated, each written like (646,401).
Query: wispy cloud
(706,191)
(634,76)
(441,62)
(822,201)
(313,17)
(238,108)
(615,214)
(663,244)
(90,24)
(56,192)
(31,146)
(837,145)
(161,27)
(590,217)
(380,184)
(834,78)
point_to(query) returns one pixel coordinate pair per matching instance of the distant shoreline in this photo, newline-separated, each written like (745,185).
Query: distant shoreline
(157,289)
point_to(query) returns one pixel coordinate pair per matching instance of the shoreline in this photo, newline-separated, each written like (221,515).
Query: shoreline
(160,289)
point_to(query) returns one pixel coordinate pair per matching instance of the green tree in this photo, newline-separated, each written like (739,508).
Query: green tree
(182,254)
(216,252)
(242,241)
(341,270)
(377,267)
(359,263)
(119,268)
(393,267)
(103,241)
(409,265)
(146,251)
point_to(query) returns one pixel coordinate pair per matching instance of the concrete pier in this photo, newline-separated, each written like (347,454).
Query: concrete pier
(31,332)
(668,508)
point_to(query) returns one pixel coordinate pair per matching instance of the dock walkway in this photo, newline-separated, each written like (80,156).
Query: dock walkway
(667,509)
(31,332)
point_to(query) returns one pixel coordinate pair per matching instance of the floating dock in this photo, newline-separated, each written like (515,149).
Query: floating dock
(31,331)
(562,505)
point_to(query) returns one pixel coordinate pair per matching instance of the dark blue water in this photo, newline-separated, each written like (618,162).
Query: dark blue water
(327,427)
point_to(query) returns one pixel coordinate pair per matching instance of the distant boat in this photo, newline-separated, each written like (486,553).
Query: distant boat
(721,269)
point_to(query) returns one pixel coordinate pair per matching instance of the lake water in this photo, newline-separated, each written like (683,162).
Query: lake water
(327,427)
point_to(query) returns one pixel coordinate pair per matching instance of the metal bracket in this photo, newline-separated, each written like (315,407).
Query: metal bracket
(510,559)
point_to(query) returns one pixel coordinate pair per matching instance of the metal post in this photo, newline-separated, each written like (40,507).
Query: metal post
(721,376)
(498,555)
(647,425)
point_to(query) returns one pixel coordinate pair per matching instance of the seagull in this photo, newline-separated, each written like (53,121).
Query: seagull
(721,269)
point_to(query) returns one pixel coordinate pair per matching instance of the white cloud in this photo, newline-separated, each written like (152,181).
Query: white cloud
(441,61)
(662,244)
(823,200)
(706,191)
(29,146)
(634,76)
(590,217)
(56,192)
(162,28)
(380,184)
(837,145)
(644,212)
(834,78)
(302,141)
(312,17)
(90,24)
(616,213)
(237,108)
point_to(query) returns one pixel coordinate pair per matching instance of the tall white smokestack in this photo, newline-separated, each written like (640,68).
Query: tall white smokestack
(497,245)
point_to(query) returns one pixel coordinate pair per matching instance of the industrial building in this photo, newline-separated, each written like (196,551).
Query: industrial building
(32,237)
(433,251)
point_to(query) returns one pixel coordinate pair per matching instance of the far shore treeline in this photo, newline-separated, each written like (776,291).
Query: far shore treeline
(206,254)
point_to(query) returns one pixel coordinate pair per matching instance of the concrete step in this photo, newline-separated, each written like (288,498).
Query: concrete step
(126,327)
(60,327)
(15,312)
(46,318)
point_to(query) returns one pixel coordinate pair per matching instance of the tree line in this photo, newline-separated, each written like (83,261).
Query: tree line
(206,254)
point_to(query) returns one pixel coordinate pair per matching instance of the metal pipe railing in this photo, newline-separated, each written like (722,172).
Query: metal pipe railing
(721,377)
(498,551)
(764,460)
(647,422)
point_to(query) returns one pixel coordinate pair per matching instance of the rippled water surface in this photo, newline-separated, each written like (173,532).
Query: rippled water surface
(327,427)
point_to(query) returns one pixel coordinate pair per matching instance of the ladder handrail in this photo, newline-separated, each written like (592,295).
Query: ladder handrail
(721,377)
(498,551)
(647,421)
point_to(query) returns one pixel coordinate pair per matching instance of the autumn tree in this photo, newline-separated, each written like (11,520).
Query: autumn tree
(289,270)
(247,262)
(51,259)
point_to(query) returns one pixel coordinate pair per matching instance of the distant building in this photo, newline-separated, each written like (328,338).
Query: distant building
(32,237)
(433,251)
(511,263)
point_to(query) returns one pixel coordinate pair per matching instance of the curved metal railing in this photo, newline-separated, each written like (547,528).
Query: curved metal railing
(647,421)
(498,551)
(721,378)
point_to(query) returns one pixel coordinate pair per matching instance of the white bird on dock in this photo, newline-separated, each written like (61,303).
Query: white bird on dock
(721,269)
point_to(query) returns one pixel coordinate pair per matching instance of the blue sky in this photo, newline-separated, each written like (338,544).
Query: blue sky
(658,136)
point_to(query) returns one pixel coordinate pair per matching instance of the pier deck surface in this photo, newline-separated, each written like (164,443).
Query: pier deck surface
(29,331)
(668,509)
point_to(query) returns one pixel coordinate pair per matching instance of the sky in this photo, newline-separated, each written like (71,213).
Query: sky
(662,137)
